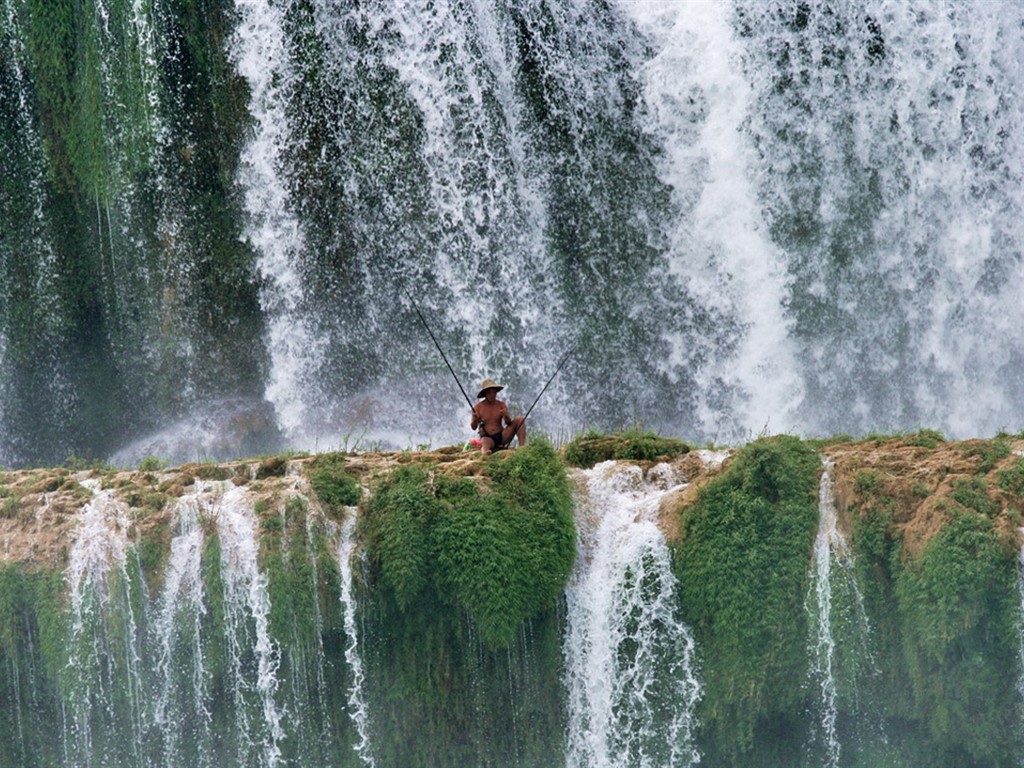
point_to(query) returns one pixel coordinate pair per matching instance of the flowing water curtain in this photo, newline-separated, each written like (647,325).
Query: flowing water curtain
(260,50)
(430,190)
(104,683)
(728,275)
(839,644)
(489,158)
(183,685)
(357,706)
(31,332)
(890,171)
(630,671)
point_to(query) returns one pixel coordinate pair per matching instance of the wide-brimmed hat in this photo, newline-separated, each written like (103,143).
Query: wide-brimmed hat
(488,384)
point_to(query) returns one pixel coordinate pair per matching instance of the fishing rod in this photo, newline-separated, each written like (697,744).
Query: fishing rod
(560,364)
(438,345)
(451,370)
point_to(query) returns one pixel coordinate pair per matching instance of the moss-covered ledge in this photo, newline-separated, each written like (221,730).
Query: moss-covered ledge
(465,568)
(742,563)
(498,546)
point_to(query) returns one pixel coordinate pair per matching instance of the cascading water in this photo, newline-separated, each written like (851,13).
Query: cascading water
(253,656)
(182,704)
(356,697)
(105,662)
(697,102)
(826,587)
(260,50)
(890,172)
(629,666)
(827,541)
(1020,593)
(736,210)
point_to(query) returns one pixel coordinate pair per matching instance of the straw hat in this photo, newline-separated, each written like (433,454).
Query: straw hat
(488,384)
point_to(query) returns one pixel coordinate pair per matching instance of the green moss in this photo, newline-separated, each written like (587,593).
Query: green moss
(943,619)
(742,565)
(274,466)
(152,464)
(973,494)
(1012,480)
(958,609)
(991,452)
(500,551)
(464,639)
(332,483)
(593,447)
(926,438)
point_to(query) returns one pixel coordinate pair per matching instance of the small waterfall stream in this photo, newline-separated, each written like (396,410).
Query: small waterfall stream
(356,697)
(182,705)
(629,666)
(202,670)
(827,585)
(828,544)
(261,54)
(254,655)
(105,664)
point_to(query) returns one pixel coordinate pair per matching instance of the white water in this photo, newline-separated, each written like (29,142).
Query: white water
(630,676)
(454,59)
(831,548)
(247,611)
(177,630)
(697,101)
(1020,592)
(260,53)
(358,710)
(104,626)
(829,542)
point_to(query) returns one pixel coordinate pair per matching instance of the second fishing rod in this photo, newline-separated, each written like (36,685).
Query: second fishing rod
(451,370)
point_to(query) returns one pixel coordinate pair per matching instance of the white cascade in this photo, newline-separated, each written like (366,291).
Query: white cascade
(1020,592)
(630,673)
(253,654)
(259,49)
(177,632)
(358,709)
(697,100)
(105,658)
(827,543)
(826,584)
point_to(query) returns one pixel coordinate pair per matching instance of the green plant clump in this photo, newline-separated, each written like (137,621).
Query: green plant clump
(957,604)
(593,447)
(501,550)
(944,619)
(332,483)
(742,566)
(465,577)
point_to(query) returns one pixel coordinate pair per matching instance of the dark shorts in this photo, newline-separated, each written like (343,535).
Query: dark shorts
(498,441)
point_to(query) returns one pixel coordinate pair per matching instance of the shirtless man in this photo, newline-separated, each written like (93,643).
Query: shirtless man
(495,423)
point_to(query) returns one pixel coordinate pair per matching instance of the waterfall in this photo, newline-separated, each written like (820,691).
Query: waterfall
(823,605)
(253,653)
(697,103)
(890,171)
(182,703)
(827,541)
(630,675)
(805,215)
(356,697)
(261,54)
(105,660)
(1020,592)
